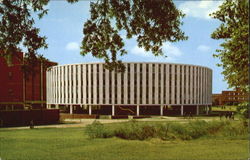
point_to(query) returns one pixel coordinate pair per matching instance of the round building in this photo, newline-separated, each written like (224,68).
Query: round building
(143,89)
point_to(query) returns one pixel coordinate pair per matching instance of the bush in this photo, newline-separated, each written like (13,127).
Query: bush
(197,128)
(134,130)
(164,132)
(234,129)
(214,127)
(97,130)
(179,131)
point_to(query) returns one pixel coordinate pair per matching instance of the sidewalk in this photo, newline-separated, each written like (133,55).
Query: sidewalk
(83,122)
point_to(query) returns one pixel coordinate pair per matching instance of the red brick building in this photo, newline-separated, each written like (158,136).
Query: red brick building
(229,97)
(18,92)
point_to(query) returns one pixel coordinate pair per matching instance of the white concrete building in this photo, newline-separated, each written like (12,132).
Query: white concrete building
(144,88)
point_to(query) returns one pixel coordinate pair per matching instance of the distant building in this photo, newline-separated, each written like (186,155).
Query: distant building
(229,97)
(16,92)
(143,89)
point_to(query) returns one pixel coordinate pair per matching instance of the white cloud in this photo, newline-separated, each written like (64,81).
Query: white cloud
(170,50)
(203,48)
(72,46)
(200,9)
(140,51)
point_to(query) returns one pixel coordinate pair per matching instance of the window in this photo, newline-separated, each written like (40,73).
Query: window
(103,85)
(135,83)
(115,92)
(10,92)
(193,84)
(122,88)
(128,94)
(189,84)
(10,75)
(97,84)
(153,84)
(76,75)
(87,83)
(164,83)
(170,84)
(184,87)
(180,94)
(110,87)
(175,85)
(147,87)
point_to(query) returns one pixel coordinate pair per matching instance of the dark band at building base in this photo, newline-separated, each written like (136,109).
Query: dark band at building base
(163,110)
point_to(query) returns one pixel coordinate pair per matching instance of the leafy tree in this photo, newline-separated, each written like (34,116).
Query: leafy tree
(235,53)
(234,30)
(17,28)
(243,109)
(152,22)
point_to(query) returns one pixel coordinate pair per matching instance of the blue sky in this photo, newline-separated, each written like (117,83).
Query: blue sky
(64,24)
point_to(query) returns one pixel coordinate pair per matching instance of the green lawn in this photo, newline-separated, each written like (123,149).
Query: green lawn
(224,108)
(73,144)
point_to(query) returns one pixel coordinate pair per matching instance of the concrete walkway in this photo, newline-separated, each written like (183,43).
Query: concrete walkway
(83,122)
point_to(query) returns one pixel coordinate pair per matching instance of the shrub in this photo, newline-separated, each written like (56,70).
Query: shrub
(164,132)
(197,128)
(134,130)
(127,130)
(234,129)
(214,127)
(97,130)
(148,131)
(180,131)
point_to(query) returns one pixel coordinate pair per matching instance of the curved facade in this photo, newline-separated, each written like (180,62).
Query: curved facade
(141,85)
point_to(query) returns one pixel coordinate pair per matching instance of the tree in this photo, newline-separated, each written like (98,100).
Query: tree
(235,53)
(243,109)
(152,22)
(17,28)
(234,30)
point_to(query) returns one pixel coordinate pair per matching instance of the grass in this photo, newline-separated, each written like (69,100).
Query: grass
(74,144)
(226,108)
